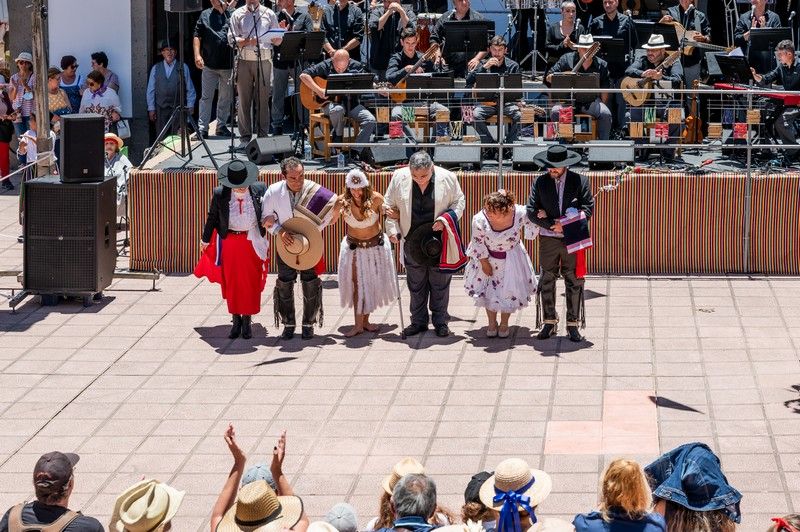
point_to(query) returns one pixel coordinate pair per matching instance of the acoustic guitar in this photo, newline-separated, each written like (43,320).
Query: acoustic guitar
(693,133)
(310,100)
(686,38)
(588,56)
(638,98)
(400,97)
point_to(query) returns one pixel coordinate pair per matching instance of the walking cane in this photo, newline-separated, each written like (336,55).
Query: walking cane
(396,282)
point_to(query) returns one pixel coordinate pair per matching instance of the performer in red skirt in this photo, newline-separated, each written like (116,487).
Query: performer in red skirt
(235,252)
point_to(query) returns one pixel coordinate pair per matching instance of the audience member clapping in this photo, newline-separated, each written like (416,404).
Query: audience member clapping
(625,502)
(147,506)
(691,492)
(53,481)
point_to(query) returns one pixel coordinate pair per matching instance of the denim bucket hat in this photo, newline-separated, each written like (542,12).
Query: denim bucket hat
(690,475)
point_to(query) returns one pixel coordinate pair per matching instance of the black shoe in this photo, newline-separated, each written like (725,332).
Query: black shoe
(308,332)
(201,134)
(415,328)
(442,330)
(547,331)
(288,333)
(236,329)
(574,334)
(223,131)
(247,327)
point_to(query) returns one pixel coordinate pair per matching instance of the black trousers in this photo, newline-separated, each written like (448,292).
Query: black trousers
(427,286)
(553,257)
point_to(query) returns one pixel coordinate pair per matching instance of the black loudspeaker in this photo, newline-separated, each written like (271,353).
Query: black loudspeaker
(388,151)
(523,155)
(261,150)
(81,157)
(461,155)
(607,156)
(70,235)
(183,6)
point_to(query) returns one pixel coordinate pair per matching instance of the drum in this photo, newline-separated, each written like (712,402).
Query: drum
(425,24)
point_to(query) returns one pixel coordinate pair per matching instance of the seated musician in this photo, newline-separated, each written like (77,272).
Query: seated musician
(787,73)
(498,63)
(349,106)
(456,60)
(599,107)
(692,19)
(646,67)
(759,16)
(400,65)
(562,35)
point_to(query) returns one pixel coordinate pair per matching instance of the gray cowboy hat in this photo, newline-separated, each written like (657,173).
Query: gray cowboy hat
(238,174)
(556,157)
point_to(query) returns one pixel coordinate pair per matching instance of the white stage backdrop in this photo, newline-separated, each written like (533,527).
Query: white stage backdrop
(81,28)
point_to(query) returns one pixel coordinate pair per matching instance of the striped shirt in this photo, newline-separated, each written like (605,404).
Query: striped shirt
(23,106)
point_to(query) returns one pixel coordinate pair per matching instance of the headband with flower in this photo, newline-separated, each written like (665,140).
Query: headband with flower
(355,178)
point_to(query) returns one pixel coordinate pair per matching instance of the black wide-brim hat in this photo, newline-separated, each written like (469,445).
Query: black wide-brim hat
(424,245)
(238,174)
(556,157)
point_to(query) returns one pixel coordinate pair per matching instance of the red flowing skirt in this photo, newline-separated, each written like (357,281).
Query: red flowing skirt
(242,274)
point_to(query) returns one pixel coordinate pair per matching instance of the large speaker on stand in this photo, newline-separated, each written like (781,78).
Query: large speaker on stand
(82,154)
(70,236)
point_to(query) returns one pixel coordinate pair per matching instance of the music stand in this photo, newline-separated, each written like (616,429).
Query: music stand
(299,47)
(567,80)
(735,69)
(670,35)
(424,82)
(611,47)
(488,83)
(765,39)
(350,82)
(644,29)
(473,35)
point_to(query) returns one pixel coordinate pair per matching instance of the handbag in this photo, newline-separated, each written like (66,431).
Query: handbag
(123,129)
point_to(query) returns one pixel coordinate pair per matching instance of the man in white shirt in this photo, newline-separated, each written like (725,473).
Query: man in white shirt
(255,29)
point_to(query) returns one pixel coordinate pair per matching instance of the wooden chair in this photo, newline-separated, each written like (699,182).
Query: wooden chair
(324,123)
(586,136)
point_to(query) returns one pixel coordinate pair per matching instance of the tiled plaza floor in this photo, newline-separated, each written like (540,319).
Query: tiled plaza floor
(144,384)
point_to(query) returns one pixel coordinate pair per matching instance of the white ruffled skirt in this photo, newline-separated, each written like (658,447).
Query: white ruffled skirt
(374,268)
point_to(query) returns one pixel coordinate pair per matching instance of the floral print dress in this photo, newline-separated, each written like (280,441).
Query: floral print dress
(513,282)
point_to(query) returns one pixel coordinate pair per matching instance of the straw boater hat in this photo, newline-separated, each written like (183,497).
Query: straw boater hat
(259,509)
(306,250)
(406,466)
(556,157)
(114,138)
(655,42)
(147,505)
(512,475)
(585,41)
(238,174)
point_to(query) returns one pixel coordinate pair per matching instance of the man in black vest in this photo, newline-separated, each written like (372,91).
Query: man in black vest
(556,193)
(163,87)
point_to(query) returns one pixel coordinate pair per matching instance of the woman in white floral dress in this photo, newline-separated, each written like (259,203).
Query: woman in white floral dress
(499,275)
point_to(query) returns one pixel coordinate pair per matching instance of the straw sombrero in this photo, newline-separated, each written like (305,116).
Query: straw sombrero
(114,138)
(145,506)
(307,248)
(514,474)
(259,509)
(406,466)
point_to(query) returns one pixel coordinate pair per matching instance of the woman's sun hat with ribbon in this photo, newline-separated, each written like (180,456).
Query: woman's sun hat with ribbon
(355,178)
(259,509)
(406,466)
(514,487)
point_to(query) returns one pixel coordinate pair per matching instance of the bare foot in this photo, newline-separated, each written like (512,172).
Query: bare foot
(371,327)
(353,332)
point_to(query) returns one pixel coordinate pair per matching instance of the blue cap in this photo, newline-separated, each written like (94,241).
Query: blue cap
(691,476)
(259,472)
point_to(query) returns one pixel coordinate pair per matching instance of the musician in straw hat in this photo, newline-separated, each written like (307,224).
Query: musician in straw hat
(366,262)
(667,77)
(514,492)
(235,252)
(296,210)
(556,193)
(148,505)
(597,108)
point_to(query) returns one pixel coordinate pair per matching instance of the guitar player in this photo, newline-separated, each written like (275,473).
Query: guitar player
(693,20)
(599,107)
(787,73)
(647,67)
(400,66)
(349,106)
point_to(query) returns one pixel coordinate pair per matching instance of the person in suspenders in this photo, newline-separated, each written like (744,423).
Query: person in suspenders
(53,480)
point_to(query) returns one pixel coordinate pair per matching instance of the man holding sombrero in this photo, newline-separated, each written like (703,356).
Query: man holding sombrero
(238,258)
(424,203)
(296,211)
(554,194)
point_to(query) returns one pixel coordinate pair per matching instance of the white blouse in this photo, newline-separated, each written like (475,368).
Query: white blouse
(243,213)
